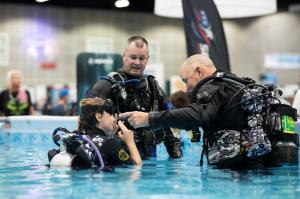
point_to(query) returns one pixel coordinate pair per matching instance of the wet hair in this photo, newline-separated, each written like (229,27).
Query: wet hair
(179,99)
(88,108)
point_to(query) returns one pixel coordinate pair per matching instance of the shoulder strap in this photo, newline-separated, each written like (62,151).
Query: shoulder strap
(113,77)
(116,76)
(150,81)
(153,86)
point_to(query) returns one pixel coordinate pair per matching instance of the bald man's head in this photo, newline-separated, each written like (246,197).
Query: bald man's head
(199,60)
(195,68)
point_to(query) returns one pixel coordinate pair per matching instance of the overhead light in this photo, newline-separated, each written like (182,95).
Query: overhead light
(122,3)
(168,8)
(41,1)
(227,9)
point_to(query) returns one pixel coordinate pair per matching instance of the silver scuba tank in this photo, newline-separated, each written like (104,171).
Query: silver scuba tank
(63,158)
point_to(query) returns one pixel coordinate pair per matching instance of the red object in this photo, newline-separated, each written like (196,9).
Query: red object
(48,65)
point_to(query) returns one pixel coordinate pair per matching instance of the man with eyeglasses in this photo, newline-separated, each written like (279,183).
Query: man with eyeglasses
(132,90)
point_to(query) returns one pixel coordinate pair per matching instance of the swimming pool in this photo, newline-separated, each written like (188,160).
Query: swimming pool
(24,174)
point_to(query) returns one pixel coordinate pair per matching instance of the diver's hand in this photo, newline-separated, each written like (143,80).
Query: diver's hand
(136,119)
(127,137)
(125,134)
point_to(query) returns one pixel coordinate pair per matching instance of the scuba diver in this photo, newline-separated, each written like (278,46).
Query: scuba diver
(245,124)
(95,144)
(132,90)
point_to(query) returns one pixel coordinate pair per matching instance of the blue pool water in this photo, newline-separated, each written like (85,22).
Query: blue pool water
(24,174)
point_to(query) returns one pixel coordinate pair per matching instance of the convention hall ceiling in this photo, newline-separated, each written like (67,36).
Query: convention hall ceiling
(135,5)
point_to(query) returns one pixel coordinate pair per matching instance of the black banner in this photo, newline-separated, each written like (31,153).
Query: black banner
(204,31)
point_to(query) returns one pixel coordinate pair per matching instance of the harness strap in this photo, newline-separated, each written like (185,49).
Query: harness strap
(151,85)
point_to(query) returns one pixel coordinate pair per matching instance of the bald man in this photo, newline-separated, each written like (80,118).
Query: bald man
(192,71)
(214,106)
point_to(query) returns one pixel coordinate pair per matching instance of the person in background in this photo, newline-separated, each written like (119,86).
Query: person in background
(97,121)
(15,99)
(61,107)
(47,105)
(178,99)
(269,77)
(132,90)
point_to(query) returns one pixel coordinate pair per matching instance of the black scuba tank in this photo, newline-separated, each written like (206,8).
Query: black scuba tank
(284,138)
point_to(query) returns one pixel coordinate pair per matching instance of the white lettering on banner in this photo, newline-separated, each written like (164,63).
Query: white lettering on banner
(92,61)
(282,61)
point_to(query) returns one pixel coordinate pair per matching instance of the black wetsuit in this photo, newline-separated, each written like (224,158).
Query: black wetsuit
(209,110)
(112,149)
(206,110)
(143,96)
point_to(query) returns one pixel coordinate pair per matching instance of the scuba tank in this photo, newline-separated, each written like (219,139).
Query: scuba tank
(73,146)
(63,158)
(284,138)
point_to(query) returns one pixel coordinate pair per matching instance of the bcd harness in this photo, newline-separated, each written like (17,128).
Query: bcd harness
(270,125)
(119,85)
(122,89)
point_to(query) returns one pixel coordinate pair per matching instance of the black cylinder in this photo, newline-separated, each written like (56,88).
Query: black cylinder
(284,151)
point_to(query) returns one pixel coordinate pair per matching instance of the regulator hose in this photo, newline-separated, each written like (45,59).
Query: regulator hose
(84,137)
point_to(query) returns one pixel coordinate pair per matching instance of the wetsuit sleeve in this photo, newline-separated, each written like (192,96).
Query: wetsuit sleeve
(116,152)
(99,89)
(201,113)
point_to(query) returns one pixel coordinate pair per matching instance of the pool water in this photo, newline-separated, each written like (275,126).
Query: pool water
(24,174)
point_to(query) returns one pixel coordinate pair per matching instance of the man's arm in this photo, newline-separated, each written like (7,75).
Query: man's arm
(178,118)
(196,114)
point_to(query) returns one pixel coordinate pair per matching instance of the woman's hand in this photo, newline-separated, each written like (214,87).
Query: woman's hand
(125,134)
